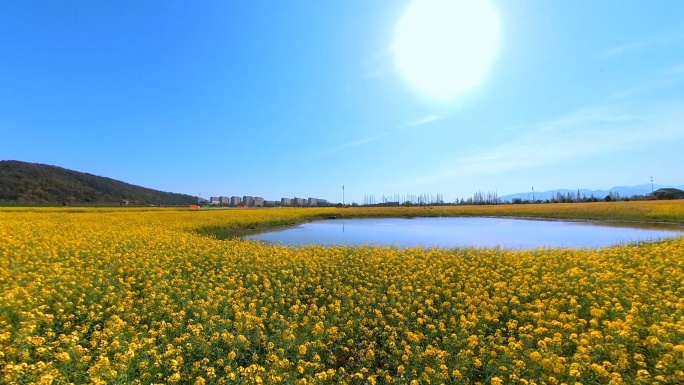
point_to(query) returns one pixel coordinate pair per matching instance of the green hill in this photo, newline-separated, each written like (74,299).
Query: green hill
(32,183)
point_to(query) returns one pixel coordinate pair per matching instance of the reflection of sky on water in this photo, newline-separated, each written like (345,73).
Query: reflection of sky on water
(460,231)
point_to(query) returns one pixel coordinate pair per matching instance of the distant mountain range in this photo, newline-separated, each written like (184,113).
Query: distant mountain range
(32,183)
(623,191)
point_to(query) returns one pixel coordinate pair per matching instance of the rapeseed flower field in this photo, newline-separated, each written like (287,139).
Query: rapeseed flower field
(140,296)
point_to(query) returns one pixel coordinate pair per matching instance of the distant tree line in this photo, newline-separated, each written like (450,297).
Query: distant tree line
(492,198)
(613,196)
(482,198)
(423,199)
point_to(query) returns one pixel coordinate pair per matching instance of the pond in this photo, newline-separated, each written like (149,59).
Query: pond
(468,232)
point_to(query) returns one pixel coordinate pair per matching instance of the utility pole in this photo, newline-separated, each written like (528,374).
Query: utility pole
(533,200)
(342,195)
(651,185)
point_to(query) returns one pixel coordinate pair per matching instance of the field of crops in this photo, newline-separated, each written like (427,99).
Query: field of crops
(126,296)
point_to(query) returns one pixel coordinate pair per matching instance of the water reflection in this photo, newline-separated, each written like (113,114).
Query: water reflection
(460,231)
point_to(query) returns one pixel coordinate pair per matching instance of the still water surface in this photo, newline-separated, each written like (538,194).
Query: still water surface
(460,232)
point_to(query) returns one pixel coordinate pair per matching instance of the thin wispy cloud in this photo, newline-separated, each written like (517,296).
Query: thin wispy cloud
(518,127)
(376,74)
(627,48)
(667,77)
(578,136)
(379,64)
(424,120)
(415,123)
(641,44)
(351,144)
(676,70)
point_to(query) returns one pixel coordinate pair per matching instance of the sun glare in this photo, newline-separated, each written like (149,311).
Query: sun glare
(445,47)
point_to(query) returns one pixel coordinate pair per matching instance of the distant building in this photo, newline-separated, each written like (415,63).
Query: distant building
(252,201)
(248,201)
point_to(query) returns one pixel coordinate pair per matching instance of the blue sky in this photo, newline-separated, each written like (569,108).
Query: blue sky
(282,99)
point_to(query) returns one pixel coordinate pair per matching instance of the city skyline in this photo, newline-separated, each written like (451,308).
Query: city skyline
(257,201)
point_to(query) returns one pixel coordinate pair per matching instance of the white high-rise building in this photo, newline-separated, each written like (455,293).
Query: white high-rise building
(248,201)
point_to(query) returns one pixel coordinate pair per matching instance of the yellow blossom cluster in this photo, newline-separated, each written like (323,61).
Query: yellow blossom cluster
(127,296)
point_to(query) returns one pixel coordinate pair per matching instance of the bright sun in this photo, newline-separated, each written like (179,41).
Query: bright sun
(444,47)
